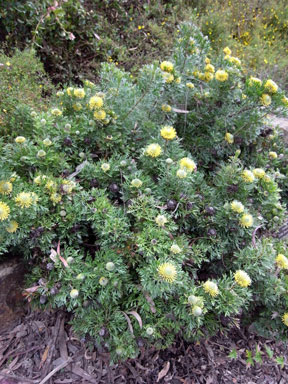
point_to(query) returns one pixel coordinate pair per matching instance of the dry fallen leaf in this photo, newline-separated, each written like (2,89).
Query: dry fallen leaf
(163,371)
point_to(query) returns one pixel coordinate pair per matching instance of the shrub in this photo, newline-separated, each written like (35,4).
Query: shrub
(23,83)
(250,26)
(155,233)
(74,37)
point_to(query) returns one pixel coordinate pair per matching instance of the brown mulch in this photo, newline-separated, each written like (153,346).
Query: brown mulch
(43,349)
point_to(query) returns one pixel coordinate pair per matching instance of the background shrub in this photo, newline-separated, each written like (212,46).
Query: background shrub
(23,85)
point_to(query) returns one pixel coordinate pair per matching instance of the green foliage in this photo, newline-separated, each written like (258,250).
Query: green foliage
(23,83)
(135,224)
(73,37)
(257,356)
(256,31)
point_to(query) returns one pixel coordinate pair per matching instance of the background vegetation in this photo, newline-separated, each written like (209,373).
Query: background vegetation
(73,36)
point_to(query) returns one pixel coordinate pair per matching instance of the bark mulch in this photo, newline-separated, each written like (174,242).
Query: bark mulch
(43,349)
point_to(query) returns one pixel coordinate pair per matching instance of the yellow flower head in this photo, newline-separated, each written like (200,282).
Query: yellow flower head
(59,94)
(79,92)
(248,176)
(100,115)
(208,76)
(168,132)
(167,272)
(5,187)
(105,167)
(265,99)
(273,155)
(12,226)
(246,220)
(187,164)
(68,186)
(50,185)
(254,80)
(207,60)
(221,75)
(47,142)
(24,199)
(74,293)
(285,101)
(210,68)
(235,61)
(229,138)
(20,139)
(137,183)
(168,77)
(4,211)
(153,150)
(69,91)
(271,86)
(161,220)
(211,288)
(55,198)
(242,278)
(41,153)
(259,173)
(167,66)
(236,206)
(77,107)
(190,85)
(175,249)
(227,51)
(95,102)
(166,108)
(56,112)
(89,84)
(181,173)
(201,76)
(282,261)
(285,319)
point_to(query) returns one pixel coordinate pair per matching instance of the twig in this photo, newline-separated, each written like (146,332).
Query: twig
(254,235)
(23,380)
(46,378)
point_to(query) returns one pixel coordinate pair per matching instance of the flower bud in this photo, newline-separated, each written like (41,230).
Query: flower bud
(74,293)
(110,266)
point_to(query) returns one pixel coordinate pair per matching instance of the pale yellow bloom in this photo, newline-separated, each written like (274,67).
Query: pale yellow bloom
(167,66)
(236,206)
(246,220)
(242,278)
(20,140)
(168,132)
(5,187)
(4,211)
(12,226)
(221,75)
(282,261)
(259,173)
(24,199)
(211,288)
(100,114)
(266,99)
(153,150)
(79,93)
(95,102)
(161,220)
(271,86)
(248,176)
(167,272)
(229,138)
(187,164)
